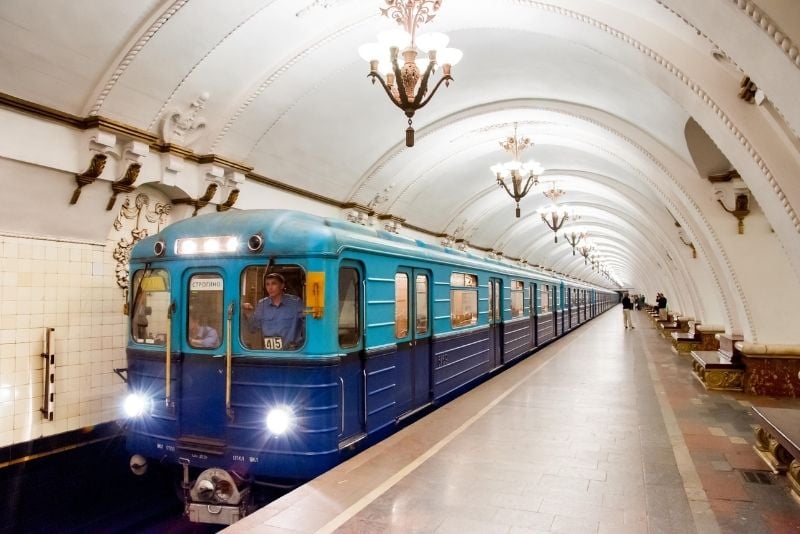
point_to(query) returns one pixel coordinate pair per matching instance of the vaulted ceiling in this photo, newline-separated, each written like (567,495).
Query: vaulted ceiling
(629,104)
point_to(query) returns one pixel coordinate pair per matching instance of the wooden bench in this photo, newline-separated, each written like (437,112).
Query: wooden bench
(720,369)
(771,370)
(778,441)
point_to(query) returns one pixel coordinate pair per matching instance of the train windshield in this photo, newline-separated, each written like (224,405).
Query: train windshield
(273,307)
(204,328)
(151,301)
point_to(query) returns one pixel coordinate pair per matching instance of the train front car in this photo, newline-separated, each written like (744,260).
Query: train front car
(216,392)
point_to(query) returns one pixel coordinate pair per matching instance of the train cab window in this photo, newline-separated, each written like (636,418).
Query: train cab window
(151,301)
(517,298)
(400,305)
(463,300)
(349,313)
(204,324)
(272,315)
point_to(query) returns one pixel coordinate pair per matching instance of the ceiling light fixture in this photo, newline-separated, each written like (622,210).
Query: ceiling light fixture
(515,170)
(554,216)
(407,86)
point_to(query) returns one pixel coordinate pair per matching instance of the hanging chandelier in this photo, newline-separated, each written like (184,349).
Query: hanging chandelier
(554,216)
(407,85)
(574,237)
(515,170)
(586,250)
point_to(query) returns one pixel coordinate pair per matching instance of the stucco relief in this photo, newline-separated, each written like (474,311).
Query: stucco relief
(135,221)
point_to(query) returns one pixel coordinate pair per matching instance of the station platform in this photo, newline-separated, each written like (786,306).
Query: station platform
(603,431)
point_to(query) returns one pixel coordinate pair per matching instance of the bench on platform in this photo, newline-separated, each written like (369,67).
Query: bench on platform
(690,335)
(678,324)
(771,370)
(704,338)
(778,441)
(720,369)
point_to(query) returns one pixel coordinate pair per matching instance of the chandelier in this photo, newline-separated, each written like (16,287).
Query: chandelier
(554,216)
(407,85)
(515,170)
(586,250)
(574,237)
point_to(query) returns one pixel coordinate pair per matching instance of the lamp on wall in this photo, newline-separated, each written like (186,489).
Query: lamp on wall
(407,85)
(554,216)
(515,170)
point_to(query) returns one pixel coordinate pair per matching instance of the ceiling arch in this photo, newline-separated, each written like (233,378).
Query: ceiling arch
(604,88)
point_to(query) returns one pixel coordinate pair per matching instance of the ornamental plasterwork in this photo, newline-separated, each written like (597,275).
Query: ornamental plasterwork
(134,222)
(184,127)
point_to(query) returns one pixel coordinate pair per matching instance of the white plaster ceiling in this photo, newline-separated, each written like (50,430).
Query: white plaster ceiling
(598,85)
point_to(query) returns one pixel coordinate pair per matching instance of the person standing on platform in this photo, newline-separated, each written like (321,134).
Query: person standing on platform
(662,306)
(627,306)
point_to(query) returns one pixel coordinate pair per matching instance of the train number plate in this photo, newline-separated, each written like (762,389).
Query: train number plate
(273,343)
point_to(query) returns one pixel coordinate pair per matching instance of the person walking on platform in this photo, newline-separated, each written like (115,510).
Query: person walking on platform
(627,306)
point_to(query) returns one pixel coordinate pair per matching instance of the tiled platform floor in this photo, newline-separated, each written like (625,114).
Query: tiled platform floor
(604,431)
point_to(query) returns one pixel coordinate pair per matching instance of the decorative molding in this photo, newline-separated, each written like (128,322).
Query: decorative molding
(124,184)
(133,52)
(769,27)
(726,176)
(748,90)
(142,223)
(134,153)
(95,169)
(201,201)
(184,127)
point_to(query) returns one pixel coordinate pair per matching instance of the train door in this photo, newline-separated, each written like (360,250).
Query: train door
(351,375)
(412,329)
(201,398)
(421,344)
(495,322)
(534,289)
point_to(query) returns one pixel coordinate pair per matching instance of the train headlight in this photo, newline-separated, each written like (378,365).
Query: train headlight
(279,420)
(135,405)
(206,245)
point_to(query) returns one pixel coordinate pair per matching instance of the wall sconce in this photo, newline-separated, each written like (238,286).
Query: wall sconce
(740,210)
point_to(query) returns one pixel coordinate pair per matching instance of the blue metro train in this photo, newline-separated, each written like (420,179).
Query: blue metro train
(387,326)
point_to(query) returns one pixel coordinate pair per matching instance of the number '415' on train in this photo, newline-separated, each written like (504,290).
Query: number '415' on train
(265,346)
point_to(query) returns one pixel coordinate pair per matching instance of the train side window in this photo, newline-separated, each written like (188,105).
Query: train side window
(151,300)
(463,302)
(349,312)
(265,323)
(421,300)
(400,305)
(204,327)
(545,298)
(517,298)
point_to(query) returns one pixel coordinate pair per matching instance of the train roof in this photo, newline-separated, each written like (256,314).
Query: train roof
(290,233)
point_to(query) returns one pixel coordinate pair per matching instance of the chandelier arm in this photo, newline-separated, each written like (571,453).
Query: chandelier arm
(446,78)
(423,86)
(503,183)
(528,185)
(386,88)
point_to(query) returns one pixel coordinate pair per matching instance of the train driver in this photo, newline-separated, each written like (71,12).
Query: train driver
(202,335)
(279,316)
